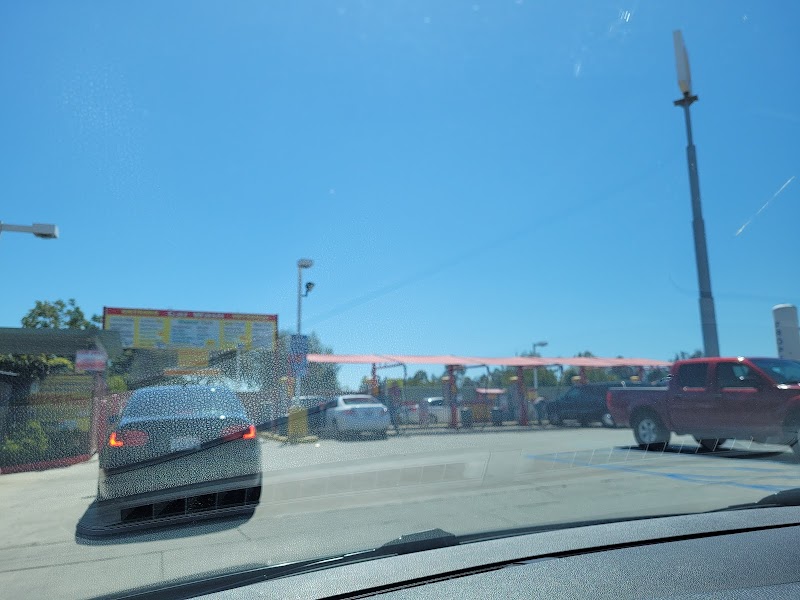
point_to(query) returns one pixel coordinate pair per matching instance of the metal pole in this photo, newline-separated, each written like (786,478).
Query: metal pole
(451,395)
(299,296)
(238,364)
(708,319)
(299,377)
(523,401)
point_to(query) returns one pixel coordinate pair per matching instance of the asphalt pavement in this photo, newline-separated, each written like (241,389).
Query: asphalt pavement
(332,497)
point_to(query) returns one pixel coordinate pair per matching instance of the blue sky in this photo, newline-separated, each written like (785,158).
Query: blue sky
(469,177)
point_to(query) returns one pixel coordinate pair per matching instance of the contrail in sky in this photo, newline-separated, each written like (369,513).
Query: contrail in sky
(760,210)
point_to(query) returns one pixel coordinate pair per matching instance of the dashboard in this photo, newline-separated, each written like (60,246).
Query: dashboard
(735,554)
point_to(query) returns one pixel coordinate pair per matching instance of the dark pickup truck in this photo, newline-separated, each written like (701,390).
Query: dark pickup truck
(715,400)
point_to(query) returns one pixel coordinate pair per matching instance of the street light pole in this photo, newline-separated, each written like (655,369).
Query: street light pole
(536,369)
(708,319)
(299,296)
(303,263)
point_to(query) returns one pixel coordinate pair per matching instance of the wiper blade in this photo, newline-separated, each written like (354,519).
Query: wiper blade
(419,542)
(432,539)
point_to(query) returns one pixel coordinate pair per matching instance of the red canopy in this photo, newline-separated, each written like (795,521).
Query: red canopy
(466,361)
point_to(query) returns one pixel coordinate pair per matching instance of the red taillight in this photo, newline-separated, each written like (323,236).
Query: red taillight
(236,431)
(608,399)
(131,438)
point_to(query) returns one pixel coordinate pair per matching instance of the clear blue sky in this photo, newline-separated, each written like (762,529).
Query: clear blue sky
(469,177)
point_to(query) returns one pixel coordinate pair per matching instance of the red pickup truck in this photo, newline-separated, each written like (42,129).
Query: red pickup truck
(715,400)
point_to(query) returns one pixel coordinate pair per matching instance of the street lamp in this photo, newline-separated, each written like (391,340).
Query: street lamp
(303,263)
(708,317)
(40,230)
(536,369)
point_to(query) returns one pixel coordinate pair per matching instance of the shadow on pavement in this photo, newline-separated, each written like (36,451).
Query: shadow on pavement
(92,531)
(778,456)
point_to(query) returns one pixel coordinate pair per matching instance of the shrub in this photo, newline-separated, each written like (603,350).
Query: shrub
(27,443)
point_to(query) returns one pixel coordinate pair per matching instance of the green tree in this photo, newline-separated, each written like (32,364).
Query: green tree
(59,315)
(320,378)
(419,378)
(683,355)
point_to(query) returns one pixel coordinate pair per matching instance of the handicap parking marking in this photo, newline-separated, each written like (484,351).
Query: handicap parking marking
(586,459)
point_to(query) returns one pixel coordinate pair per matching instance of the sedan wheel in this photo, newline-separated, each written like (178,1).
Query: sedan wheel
(432,419)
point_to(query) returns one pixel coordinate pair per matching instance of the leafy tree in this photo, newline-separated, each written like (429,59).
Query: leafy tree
(683,355)
(320,378)
(116,384)
(654,375)
(419,378)
(59,315)
(121,365)
(26,367)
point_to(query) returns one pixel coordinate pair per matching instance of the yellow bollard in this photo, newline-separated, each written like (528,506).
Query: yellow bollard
(298,424)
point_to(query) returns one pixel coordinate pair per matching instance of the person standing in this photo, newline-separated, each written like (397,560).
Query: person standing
(394,405)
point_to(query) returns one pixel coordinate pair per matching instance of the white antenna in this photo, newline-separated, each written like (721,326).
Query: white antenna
(682,63)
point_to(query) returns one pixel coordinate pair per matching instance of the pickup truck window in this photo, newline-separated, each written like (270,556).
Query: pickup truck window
(734,375)
(779,370)
(693,375)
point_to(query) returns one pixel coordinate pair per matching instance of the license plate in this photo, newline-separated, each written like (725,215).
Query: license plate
(183,443)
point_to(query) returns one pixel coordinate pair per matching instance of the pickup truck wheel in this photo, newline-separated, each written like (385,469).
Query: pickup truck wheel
(711,444)
(650,434)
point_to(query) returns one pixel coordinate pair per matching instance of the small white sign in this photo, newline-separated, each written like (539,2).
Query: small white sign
(91,360)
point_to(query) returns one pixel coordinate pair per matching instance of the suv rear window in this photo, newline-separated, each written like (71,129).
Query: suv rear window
(693,375)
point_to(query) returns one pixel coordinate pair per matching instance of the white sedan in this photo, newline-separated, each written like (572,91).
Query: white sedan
(356,413)
(438,411)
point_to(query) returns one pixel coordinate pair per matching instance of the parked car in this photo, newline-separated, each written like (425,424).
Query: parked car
(438,411)
(316,406)
(583,403)
(716,399)
(355,414)
(176,452)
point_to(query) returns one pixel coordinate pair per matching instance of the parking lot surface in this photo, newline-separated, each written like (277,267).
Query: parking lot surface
(376,490)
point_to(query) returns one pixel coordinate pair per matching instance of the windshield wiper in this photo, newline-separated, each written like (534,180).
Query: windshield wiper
(431,539)
(780,499)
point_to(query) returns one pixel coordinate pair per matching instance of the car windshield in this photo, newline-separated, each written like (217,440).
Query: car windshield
(499,227)
(780,371)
